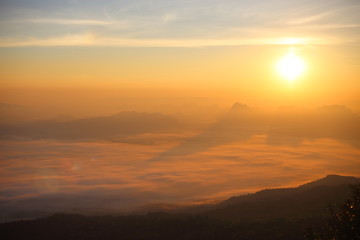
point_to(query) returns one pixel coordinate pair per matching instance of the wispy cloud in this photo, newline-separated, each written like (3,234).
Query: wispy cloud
(308,19)
(334,26)
(176,24)
(72,21)
(92,39)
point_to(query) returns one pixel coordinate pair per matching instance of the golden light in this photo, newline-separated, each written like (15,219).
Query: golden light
(291,41)
(291,66)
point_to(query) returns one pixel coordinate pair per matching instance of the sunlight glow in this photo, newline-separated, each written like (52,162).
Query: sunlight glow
(291,41)
(291,66)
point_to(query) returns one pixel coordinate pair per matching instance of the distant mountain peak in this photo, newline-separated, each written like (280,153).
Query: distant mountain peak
(338,110)
(334,176)
(239,106)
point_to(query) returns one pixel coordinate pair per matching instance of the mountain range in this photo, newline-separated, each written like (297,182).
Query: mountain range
(123,123)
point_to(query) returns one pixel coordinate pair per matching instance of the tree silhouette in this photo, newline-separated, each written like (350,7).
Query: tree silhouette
(344,221)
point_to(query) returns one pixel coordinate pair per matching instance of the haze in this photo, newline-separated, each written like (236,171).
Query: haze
(120,105)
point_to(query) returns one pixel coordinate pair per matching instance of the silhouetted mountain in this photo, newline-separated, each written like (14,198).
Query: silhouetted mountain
(237,107)
(286,127)
(123,123)
(334,121)
(10,113)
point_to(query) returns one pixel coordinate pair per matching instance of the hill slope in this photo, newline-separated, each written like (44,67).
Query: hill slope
(308,200)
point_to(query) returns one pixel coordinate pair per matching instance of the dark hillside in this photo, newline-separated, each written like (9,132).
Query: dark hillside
(309,200)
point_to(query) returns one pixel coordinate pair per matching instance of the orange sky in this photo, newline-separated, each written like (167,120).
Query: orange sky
(229,74)
(226,51)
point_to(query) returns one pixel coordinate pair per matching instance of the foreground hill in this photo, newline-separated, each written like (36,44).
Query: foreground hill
(253,216)
(308,200)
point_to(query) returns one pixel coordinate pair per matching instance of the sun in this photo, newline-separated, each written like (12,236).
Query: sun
(291,66)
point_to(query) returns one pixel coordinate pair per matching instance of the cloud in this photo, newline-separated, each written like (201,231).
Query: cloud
(308,19)
(174,24)
(333,26)
(91,39)
(72,21)
(63,176)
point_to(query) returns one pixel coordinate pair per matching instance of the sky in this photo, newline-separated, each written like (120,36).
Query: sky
(177,23)
(226,50)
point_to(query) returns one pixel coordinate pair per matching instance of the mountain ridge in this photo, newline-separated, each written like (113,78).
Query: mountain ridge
(321,186)
(122,123)
(310,199)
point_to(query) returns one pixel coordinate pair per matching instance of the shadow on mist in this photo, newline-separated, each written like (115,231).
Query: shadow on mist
(289,127)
